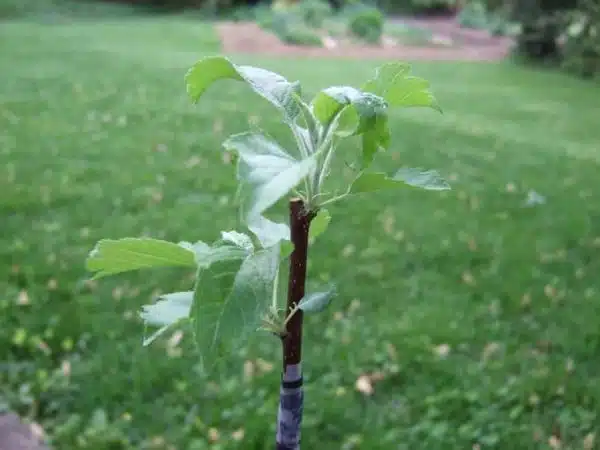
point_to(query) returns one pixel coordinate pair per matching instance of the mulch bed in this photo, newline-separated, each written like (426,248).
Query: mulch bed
(475,45)
(16,435)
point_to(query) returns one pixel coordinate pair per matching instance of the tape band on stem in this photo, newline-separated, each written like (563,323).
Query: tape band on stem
(289,415)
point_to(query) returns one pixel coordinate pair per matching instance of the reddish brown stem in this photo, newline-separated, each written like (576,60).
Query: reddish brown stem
(289,417)
(299,226)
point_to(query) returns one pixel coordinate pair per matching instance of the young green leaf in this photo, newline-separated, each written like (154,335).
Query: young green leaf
(287,249)
(168,310)
(374,131)
(329,102)
(240,240)
(348,122)
(317,301)
(385,76)
(357,113)
(319,224)
(270,171)
(269,85)
(411,92)
(393,82)
(111,256)
(230,298)
(376,181)
(271,233)
(221,250)
(268,232)
(212,316)
(376,138)
(311,129)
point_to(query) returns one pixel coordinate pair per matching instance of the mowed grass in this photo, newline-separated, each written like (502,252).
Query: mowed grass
(478,315)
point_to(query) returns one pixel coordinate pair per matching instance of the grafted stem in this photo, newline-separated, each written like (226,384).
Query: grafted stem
(291,397)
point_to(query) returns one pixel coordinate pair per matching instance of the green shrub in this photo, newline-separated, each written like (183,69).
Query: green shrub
(422,7)
(366,23)
(528,11)
(288,27)
(498,25)
(243,13)
(314,12)
(473,15)
(537,40)
(257,13)
(581,49)
(564,34)
(301,36)
(481,15)
(276,21)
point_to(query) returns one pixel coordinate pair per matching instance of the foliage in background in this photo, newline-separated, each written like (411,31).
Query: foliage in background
(473,15)
(418,7)
(409,35)
(366,23)
(66,8)
(561,33)
(14,8)
(314,12)
(476,15)
(288,25)
(581,46)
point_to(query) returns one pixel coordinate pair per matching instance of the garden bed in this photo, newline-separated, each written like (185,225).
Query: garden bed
(400,41)
(16,435)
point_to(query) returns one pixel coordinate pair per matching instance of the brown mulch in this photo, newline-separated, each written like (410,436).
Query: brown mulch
(248,37)
(16,435)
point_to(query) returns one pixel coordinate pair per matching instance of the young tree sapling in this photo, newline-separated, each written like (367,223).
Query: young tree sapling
(235,292)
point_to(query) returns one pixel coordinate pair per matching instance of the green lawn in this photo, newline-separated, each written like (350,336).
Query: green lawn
(483,315)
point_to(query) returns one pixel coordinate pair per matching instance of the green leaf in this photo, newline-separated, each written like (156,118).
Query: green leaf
(267,168)
(317,301)
(230,298)
(268,232)
(319,224)
(240,240)
(329,102)
(412,92)
(393,82)
(348,122)
(111,256)
(287,248)
(305,139)
(211,308)
(311,129)
(168,310)
(357,113)
(271,233)
(385,76)
(221,250)
(376,181)
(376,137)
(269,85)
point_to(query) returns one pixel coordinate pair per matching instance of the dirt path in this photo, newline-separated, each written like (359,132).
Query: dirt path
(474,45)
